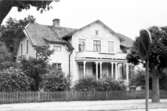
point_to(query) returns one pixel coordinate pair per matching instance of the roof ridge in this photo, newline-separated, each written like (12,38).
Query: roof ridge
(52,26)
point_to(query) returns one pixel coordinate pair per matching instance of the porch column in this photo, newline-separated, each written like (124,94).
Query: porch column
(100,70)
(96,70)
(84,68)
(116,71)
(112,72)
(127,72)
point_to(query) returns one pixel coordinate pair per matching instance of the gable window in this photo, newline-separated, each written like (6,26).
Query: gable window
(110,46)
(57,48)
(81,46)
(27,47)
(96,45)
(96,32)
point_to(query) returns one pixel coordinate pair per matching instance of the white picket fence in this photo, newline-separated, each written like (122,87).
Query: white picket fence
(22,97)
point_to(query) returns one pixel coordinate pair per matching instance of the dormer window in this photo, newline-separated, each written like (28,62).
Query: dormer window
(81,45)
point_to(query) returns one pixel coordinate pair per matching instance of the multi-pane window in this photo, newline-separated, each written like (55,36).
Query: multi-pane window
(57,66)
(57,48)
(110,46)
(96,45)
(81,46)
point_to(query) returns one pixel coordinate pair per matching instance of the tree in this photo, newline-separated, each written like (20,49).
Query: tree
(157,55)
(4,53)
(34,68)
(6,6)
(12,33)
(37,67)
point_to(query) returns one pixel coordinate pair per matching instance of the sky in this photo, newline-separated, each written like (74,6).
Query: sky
(127,17)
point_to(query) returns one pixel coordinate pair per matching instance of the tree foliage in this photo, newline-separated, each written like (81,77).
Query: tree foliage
(5,55)
(34,68)
(37,67)
(157,50)
(12,33)
(55,81)
(6,6)
(139,79)
(14,79)
(43,53)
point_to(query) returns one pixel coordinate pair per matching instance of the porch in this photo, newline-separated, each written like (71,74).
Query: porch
(117,69)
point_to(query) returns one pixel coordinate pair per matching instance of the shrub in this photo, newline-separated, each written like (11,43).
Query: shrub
(139,80)
(110,85)
(7,64)
(89,84)
(13,79)
(86,84)
(55,81)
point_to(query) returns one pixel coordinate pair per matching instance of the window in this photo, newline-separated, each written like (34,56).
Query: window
(57,48)
(57,66)
(81,46)
(110,46)
(27,47)
(96,32)
(96,45)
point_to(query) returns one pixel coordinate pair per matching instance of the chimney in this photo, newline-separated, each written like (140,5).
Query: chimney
(56,22)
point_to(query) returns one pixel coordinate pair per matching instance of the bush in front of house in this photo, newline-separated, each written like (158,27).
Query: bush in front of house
(55,81)
(86,84)
(138,80)
(110,85)
(14,79)
(89,84)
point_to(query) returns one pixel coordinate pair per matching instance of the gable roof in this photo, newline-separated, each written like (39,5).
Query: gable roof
(39,34)
(97,21)
(125,41)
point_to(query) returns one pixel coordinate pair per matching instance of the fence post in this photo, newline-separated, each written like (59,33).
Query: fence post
(38,95)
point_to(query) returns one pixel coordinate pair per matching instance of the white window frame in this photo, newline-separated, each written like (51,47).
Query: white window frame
(111,50)
(95,46)
(81,45)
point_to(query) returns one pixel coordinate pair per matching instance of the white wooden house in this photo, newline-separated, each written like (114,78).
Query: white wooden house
(95,50)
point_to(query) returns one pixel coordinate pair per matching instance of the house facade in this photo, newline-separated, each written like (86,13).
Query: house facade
(94,50)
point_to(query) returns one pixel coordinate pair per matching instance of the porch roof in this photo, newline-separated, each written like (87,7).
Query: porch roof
(93,56)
